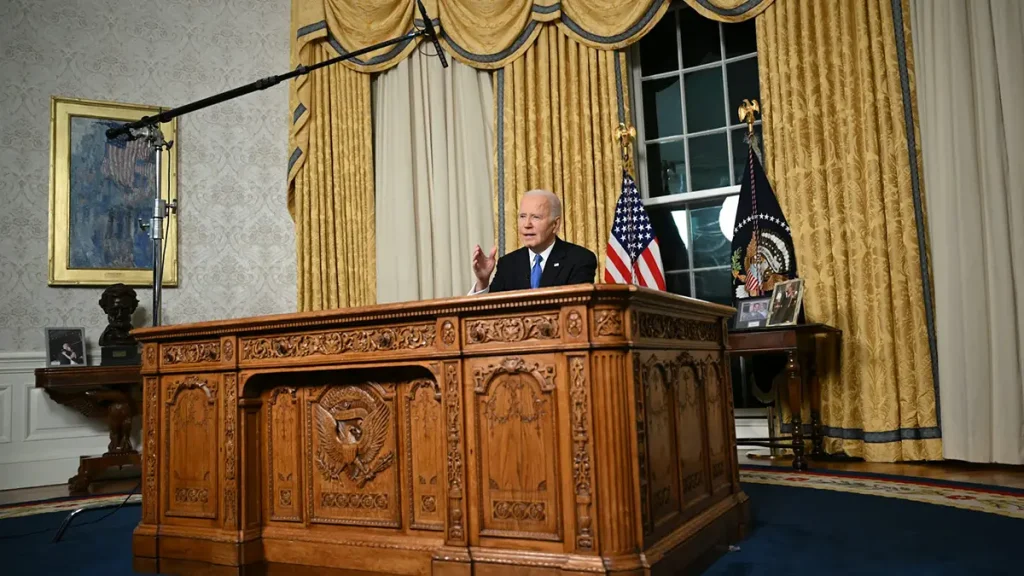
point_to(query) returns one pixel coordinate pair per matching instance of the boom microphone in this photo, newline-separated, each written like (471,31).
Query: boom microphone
(431,33)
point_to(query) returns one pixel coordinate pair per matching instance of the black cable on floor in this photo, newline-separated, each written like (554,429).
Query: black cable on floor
(107,515)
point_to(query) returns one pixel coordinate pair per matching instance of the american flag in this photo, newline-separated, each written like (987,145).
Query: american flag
(633,256)
(124,158)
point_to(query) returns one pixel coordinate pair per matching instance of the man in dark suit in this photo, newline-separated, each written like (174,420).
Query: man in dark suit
(544,260)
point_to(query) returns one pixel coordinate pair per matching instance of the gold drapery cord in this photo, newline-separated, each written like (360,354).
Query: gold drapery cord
(556,112)
(331,197)
(836,151)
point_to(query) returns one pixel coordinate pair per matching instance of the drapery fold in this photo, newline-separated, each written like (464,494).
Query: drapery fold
(331,197)
(839,137)
(556,111)
(970,70)
(433,137)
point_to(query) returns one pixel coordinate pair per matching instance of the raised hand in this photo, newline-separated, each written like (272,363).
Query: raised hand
(483,266)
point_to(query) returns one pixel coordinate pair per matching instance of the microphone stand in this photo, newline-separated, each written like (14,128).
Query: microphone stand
(147,129)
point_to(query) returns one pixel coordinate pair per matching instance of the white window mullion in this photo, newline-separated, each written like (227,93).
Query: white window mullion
(725,96)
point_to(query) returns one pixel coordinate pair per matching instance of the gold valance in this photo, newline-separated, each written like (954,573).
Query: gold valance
(729,10)
(484,34)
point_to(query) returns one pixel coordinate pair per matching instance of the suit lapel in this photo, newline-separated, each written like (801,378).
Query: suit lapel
(522,274)
(553,267)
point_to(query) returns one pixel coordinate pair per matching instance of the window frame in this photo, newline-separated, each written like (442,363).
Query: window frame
(691,198)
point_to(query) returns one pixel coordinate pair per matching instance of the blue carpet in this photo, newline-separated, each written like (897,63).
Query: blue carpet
(796,531)
(808,532)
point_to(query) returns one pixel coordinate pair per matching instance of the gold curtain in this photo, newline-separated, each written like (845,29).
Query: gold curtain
(330,196)
(556,111)
(834,82)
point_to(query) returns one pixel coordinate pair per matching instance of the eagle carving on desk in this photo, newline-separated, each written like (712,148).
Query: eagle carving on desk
(351,435)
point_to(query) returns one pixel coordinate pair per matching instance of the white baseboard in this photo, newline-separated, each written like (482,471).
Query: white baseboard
(40,440)
(751,428)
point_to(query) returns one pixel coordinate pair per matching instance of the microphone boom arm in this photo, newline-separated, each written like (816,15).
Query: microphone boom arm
(261,84)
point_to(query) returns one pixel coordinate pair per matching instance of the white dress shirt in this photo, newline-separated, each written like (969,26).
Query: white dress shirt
(533,256)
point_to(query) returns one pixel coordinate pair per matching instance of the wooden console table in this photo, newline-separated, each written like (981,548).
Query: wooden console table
(797,343)
(571,430)
(108,392)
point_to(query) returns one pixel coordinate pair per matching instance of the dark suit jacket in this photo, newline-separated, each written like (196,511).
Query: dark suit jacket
(567,264)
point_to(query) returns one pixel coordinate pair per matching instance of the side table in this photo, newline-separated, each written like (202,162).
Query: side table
(110,392)
(797,343)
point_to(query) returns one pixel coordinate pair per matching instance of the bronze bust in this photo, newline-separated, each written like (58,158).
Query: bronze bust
(119,302)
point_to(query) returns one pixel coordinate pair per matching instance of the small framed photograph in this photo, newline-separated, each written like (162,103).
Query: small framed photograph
(751,313)
(65,347)
(787,297)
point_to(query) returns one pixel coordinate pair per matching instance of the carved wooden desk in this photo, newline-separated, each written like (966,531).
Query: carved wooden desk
(797,343)
(583,429)
(108,392)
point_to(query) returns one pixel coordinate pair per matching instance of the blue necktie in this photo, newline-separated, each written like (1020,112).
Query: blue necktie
(535,273)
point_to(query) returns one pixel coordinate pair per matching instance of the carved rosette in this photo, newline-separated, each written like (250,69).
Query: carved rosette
(338,342)
(230,413)
(608,323)
(574,324)
(511,330)
(149,356)
(448,333)
(191,353)
(152,395)
(579,395)
(545,375)
(453,415)
(519,510)
(641,440)
(664,327)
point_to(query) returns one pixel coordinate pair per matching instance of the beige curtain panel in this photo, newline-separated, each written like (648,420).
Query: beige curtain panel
(970,70)
(434,142)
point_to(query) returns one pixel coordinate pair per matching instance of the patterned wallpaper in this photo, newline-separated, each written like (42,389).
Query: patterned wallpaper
(236,245)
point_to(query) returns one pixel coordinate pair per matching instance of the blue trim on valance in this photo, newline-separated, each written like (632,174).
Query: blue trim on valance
(737,11)
(636,27)
(310,28)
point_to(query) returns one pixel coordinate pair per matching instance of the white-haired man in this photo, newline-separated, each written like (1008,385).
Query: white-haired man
(544,260)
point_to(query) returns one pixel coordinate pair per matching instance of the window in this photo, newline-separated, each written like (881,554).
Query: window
(690,75)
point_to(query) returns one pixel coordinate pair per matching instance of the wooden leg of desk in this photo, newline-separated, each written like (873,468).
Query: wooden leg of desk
(818,449)
(795,382)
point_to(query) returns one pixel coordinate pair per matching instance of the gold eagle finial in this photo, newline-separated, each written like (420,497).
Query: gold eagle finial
(747,111)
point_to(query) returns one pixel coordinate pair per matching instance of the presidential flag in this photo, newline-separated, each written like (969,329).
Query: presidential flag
(762,243)
(632,256)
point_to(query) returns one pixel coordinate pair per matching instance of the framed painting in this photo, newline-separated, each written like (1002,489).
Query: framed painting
(100,190)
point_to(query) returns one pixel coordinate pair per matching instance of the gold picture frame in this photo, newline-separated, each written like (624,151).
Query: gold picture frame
(98,191)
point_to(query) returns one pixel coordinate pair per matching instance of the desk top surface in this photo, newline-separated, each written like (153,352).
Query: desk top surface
(87,376)
(816,328)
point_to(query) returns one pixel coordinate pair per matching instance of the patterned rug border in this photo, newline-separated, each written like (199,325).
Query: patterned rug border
(64,504)
(914,489)
(974,486)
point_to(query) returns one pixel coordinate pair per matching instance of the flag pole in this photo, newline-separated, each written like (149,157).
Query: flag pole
(747,111)
(625,134)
